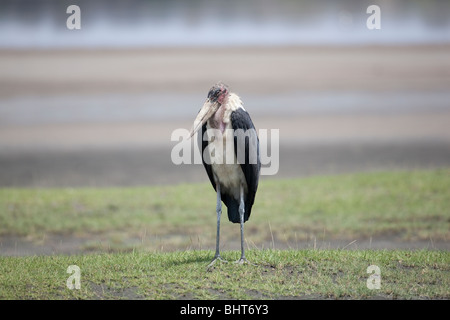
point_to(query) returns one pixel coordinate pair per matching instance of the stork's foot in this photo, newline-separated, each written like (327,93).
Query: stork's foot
(243,260)
(213,262)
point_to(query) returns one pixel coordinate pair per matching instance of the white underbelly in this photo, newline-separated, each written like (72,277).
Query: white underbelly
(227,172)
(230,177)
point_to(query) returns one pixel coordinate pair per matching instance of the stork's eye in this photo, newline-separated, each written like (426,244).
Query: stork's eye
(214,94)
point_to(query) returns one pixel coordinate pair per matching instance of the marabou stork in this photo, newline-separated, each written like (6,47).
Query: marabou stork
(234,170)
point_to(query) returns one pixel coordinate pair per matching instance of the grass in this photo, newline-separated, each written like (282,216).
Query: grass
(407,206)
(148,229)
(279,274)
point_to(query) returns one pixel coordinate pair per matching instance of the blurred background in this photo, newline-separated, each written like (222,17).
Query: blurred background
(97,106)
(174,23)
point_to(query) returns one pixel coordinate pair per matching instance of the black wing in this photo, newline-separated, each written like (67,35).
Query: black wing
(207,166)
(249,143)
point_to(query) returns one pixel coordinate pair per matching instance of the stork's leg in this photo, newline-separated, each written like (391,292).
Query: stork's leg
(219,213)
(242,260)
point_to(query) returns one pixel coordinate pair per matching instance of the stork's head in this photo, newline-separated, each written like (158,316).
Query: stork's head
(218,93)
(217,96)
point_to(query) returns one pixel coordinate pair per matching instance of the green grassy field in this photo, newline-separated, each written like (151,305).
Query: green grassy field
(279,274)
(155,239)
(405,205)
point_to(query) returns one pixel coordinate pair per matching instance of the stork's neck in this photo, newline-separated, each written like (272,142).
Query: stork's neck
(222,116)
(217,121)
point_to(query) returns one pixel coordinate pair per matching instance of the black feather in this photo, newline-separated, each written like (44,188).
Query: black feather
(240,119)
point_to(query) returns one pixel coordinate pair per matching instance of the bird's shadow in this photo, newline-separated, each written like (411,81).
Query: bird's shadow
(205,259)
(198,259)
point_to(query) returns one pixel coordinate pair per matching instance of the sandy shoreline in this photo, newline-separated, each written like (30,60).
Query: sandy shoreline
(135,152)
(249,70)
(308,129)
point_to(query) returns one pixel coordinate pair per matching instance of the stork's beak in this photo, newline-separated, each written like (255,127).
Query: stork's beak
(206,112)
